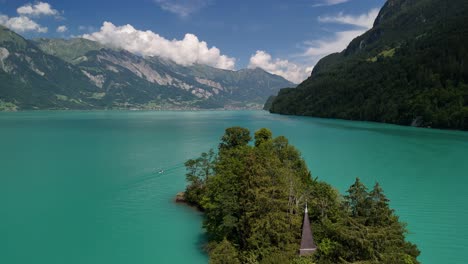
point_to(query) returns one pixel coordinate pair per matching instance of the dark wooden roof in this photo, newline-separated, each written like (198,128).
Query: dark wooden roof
(308,246)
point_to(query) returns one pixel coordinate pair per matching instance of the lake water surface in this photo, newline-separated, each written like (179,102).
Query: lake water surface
(84,187)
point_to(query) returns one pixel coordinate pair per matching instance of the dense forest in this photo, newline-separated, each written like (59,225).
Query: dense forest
(253,196)
(409,69)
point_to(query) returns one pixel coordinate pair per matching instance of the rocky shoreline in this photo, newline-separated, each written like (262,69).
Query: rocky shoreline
(180,198)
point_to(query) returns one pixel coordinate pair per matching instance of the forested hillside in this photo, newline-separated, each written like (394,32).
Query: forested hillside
(409,69)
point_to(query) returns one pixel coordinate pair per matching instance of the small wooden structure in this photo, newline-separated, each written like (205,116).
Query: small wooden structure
(308,246)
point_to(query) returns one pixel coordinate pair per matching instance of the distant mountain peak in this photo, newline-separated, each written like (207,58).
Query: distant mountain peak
(82,74)
(7,35)
(390,9)
(69,50)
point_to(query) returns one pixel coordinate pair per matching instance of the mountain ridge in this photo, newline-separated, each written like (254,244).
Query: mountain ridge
(110,78)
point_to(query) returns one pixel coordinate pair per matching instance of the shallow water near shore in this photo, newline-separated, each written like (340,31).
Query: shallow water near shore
(85,187)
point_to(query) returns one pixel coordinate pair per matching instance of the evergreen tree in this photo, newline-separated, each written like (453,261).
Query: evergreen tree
(253,199)
(235,137)
(261,136)
(380,213)
(357,199)
(224,253)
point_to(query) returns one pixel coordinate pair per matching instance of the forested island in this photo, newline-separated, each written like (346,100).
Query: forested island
(409,69)
(253,196)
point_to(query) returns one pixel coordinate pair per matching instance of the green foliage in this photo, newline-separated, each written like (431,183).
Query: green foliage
(7,106)
(254,196)
(324,201)
(262,136)
(409,69)
(302,260)
(367,231)
(198,171)
(253,199)
(235,137)
(224,253)
(357,200)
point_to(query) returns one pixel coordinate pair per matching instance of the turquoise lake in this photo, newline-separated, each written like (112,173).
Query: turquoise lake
(84,187)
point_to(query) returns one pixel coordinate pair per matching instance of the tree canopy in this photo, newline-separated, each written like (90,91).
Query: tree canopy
(253,198)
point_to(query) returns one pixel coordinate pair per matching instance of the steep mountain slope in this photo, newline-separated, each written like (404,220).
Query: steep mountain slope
(70,50)
(409,69)
(235,87)
(31,79)
(128,80)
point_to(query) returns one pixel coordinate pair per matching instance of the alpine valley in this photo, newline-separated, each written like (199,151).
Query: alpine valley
(81,74)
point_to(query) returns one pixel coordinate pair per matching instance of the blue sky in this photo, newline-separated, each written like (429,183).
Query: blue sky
(283,37)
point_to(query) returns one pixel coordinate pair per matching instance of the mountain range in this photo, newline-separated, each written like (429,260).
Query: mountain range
(411,68)
(82,74)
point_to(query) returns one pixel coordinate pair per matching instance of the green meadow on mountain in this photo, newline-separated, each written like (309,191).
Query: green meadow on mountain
(409,69)
(82,74)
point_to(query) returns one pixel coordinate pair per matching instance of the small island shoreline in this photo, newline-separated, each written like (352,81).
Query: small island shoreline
(180,199)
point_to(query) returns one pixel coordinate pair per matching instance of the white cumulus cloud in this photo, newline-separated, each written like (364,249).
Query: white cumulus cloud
(289,70)
(339,41)
(62,29)
(187,51)
(38,9)
(21,24)
(330,2)
(364,20)
(182,8)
